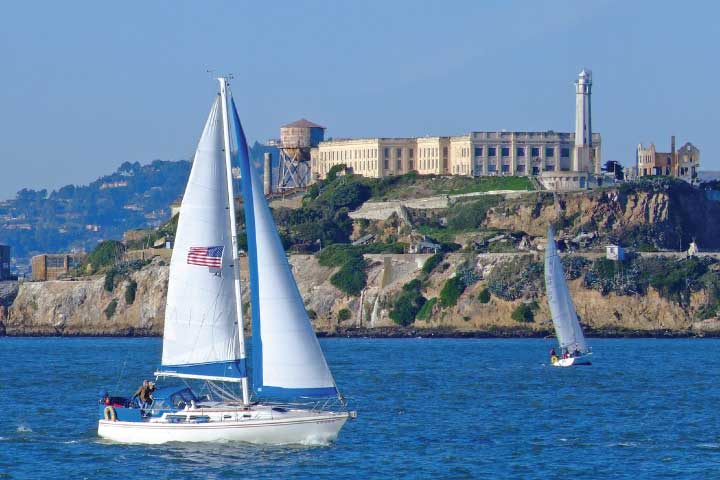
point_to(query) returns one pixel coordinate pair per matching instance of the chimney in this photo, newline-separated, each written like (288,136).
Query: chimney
(673,157)
(267,173)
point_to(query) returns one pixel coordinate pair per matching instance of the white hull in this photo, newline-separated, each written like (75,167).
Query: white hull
(573,361)
(314,428)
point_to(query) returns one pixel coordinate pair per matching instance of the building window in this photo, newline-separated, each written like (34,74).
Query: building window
(549,168)
(549,152)
(410,164)
(411,153)
(492,152)
(387,164)
(398,152)
(491,168)
(445,163)
(399,164)
(521,168)
(505,168)
(478,151)
(505,151)
(387,153)
(520,152)
(565,152)
(445,151)
(535,152)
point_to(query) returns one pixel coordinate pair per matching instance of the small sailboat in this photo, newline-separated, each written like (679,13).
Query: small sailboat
(294,398)
(573,348)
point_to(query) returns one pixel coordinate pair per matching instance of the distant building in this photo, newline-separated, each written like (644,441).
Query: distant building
(683,163)
(50,266)
(614,252)
(5,262)
(475,154)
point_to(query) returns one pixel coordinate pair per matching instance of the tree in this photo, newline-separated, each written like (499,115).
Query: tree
(612,166)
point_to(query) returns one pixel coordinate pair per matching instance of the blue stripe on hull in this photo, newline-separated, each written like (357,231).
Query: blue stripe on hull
(232,368)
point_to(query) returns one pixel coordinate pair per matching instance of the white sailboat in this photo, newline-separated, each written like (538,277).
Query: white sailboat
(573,348)
(203,340)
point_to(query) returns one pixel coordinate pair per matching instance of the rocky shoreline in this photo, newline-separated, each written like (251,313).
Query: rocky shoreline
(400,332)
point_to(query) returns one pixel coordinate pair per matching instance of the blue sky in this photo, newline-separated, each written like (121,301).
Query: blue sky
(85,86)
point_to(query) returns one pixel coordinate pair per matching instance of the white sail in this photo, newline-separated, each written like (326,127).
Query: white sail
(564,317)
(287,358)
(201,333)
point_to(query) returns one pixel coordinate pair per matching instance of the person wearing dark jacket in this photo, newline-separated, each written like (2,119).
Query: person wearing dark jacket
(144,394)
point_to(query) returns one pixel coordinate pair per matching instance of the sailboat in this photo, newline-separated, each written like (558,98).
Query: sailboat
(573,348)
(291,396)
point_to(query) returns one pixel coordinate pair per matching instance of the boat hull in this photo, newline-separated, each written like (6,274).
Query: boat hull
(573,361)
(314,429)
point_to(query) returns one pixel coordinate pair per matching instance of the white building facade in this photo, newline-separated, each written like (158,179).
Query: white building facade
(544,154)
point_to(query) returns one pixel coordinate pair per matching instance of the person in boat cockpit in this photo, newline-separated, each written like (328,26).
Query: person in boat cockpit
(144,393)
(576,353)
(552,352)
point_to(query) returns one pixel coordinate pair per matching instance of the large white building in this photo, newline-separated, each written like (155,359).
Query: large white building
(555,157)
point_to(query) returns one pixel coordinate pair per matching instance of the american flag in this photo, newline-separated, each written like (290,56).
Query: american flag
(206,256)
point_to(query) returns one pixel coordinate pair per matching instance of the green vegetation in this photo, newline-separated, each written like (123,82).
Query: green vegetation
(432,262)
(312,314)
(451,291)
(110,309)
(524,313)
(106,254)
(117,272)
(351,277)
(427,310)
(407,305)
(344,315)
(130,292)
(132,197)
(484,296)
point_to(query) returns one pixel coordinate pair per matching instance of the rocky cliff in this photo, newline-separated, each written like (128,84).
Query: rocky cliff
(83,307)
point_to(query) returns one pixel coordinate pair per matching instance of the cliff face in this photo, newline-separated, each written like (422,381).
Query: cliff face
(82,307)
(79,307)
(659,217)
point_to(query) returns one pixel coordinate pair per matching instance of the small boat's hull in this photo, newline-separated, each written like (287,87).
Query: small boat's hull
(572,361)
(315,428)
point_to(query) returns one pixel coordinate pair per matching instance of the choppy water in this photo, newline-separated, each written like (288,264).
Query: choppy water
(427,409)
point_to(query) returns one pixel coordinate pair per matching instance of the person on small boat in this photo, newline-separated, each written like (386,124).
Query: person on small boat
(576,353)
(144,394)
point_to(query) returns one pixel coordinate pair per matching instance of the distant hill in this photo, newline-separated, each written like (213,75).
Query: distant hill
(77,217)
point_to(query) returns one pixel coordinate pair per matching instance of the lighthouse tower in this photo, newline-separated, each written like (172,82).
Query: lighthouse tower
(583,160)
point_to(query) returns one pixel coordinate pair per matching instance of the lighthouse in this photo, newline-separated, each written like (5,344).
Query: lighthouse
(583,160)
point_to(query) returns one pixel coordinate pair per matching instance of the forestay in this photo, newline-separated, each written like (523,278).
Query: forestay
(567,326)
(287,359)
(201,333)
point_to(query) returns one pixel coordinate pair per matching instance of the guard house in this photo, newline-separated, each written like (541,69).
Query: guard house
(4,262)
(614,252)
(52,266)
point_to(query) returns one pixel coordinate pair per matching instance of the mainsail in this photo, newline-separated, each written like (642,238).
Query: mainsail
(201,337)
(567,326)
(287,358)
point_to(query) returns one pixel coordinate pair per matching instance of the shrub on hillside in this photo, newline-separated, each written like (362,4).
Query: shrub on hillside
(344,315)
(110,309)
(106,254)
(427,310)
(484,296)
(432,262)
(451,291)
(407,305)
(351,277)
(523,313)
(130,292)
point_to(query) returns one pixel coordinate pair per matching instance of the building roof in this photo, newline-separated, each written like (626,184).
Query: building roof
(303,123)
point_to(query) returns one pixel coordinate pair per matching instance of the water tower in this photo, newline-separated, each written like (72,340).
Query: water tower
(296,140)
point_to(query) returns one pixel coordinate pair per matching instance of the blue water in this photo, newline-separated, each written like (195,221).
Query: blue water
(426,409)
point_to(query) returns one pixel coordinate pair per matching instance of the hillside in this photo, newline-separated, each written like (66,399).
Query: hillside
(77,217)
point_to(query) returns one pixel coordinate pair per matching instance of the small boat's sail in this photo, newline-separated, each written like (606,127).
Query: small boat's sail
(287,359)
(201,338)
(564,317)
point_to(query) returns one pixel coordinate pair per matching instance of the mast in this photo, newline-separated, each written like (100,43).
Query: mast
(233,232)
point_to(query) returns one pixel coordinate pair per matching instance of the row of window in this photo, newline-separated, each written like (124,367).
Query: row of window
(521,151)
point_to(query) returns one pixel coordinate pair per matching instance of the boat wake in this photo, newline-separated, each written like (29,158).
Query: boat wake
(24,429)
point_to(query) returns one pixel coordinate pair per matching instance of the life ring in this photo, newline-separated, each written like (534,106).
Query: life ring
(553,359)
(110,414)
